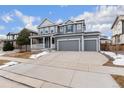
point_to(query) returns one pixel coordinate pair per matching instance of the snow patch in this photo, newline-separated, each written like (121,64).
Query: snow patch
(118,59)
(119,62)
(35,56)
(9,64)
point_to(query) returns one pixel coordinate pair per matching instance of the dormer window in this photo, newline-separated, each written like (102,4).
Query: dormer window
(46,31)
(69,28)
(61,30)
(79,26)
(52,29)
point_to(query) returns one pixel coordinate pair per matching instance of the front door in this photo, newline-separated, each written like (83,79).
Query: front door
(47,42)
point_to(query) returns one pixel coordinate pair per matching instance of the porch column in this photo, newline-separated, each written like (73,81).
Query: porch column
(82,42)
(31,43)
(99,43)
(43,42)
(51,42)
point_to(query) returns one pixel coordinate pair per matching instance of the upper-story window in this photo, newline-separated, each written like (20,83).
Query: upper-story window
(41,30)
(69,28)
(61,29)
(46,30)
(79,27)
(52,30)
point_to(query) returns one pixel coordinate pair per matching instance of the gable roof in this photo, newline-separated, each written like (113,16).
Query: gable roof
(48,23)
(114,22)
(69,21)
(120,17)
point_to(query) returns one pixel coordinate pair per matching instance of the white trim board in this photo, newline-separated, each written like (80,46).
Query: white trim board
(67,40)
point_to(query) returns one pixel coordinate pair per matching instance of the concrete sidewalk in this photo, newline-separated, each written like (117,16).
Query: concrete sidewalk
(63,77)
(5,83)
(57,69)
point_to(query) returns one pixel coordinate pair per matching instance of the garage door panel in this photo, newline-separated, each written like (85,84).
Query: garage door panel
(68,45)
(90,45)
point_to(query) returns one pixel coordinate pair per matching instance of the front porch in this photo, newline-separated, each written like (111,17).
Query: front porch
(44,42)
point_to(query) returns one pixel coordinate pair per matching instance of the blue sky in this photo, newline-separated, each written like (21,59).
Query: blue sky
(13,18)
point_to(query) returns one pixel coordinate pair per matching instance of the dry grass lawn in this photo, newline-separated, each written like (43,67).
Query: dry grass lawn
(119,80)
(3,61)
(20,54)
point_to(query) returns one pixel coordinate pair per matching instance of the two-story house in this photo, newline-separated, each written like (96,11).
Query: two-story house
(118,32)
(12,36)
(67,36)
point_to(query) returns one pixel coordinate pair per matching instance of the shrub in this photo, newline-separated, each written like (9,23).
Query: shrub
(8,47)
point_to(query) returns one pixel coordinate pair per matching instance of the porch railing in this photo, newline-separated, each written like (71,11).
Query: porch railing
(53,45)
(37,46)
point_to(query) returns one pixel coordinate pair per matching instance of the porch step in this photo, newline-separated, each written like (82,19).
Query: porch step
(31,82)
(36,51)
(41,50)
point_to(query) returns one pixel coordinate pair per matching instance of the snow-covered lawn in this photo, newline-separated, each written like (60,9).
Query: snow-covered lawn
(118,59)
(35,56)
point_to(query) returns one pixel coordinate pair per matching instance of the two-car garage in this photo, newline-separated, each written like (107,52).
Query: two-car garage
(77,45)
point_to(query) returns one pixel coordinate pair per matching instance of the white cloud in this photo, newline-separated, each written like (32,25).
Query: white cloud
(27,20)
(59,21)
(2,27)
(2,37)
(17,28)
(102,19)
(7,18)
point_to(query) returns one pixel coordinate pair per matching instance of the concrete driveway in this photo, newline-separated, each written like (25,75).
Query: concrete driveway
(72,59)
(62,69)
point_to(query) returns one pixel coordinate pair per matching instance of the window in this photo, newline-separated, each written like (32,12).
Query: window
(69,28)
(79,27)
(52,29)
(61,29)
(53,41)
(41,30)
(46,31)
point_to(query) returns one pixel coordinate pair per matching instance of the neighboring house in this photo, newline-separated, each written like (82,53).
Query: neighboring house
(105,43)
(118,32)
(104,39)
(12,36)
(67,36)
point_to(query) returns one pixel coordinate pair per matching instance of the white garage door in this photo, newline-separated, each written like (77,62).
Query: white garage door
(68,45)
(90,45)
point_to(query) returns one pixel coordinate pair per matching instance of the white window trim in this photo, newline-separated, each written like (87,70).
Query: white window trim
(67,40)
(97,40)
